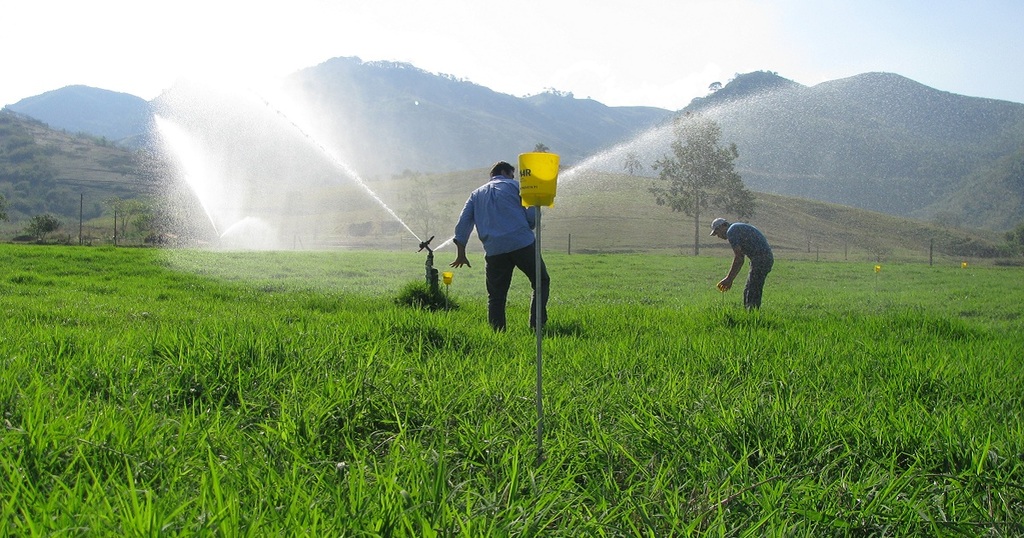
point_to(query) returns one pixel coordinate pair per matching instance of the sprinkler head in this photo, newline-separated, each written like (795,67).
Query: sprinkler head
(424,244)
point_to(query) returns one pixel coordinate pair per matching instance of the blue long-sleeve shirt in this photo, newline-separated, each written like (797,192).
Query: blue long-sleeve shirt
(502,223)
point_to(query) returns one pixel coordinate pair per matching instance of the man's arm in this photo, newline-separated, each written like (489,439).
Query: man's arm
(462,230)
(737,264)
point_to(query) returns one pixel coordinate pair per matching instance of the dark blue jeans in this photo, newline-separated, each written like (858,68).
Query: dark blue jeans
(499,269)
(759,269)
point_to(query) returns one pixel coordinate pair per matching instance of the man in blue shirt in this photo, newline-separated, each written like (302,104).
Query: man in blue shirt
(505,228)
(748,241)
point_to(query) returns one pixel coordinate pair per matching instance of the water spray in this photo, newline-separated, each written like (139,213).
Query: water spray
(431,273)
(447,242)
(344,167)
(190,157)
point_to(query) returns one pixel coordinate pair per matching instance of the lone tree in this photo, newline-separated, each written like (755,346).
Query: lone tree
(125,211)
(41,226)
(699,174)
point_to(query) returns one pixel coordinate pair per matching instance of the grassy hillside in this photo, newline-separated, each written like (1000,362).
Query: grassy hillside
(611,212)
(616,213)
(992,197)
(43,170)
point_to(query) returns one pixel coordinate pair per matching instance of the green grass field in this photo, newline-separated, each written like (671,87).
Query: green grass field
(149,392)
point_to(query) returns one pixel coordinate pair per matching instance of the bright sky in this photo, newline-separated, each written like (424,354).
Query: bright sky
(639,52)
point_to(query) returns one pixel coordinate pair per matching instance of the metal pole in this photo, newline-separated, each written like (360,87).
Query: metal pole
(538,293)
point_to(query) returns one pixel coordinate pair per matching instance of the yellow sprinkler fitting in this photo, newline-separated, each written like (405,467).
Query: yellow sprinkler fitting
(538,178)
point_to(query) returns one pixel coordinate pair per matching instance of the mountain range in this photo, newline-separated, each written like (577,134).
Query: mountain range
(876,141)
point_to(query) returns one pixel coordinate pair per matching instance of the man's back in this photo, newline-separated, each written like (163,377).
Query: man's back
(749,239)
(502,223)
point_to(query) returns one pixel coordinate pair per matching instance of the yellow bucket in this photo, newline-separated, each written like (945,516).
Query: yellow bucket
(538,178)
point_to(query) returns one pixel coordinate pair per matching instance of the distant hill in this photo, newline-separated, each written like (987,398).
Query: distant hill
(118,117)
(877,141)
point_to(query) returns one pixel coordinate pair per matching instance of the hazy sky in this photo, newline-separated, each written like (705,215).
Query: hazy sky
(638,52)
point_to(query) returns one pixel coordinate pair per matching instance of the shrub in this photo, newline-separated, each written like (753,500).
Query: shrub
(419,295)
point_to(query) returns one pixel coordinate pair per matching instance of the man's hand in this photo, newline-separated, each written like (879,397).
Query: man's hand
(460,260)
(724,285)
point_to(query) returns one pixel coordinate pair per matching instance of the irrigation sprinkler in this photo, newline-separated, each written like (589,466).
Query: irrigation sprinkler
(431,273)
(538,178)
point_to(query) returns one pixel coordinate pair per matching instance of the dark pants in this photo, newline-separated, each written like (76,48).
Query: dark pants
(759,269)
(499,271)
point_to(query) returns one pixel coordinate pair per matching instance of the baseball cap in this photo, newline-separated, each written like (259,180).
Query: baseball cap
(715,224)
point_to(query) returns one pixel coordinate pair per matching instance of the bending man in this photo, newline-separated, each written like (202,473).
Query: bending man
(748,241)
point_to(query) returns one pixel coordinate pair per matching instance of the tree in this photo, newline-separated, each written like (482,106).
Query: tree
(125,209)
(714,87)
(1015,240)
(40,226)
(700,174)
(424,212)
(633,164)
(541,148)
(146,219)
